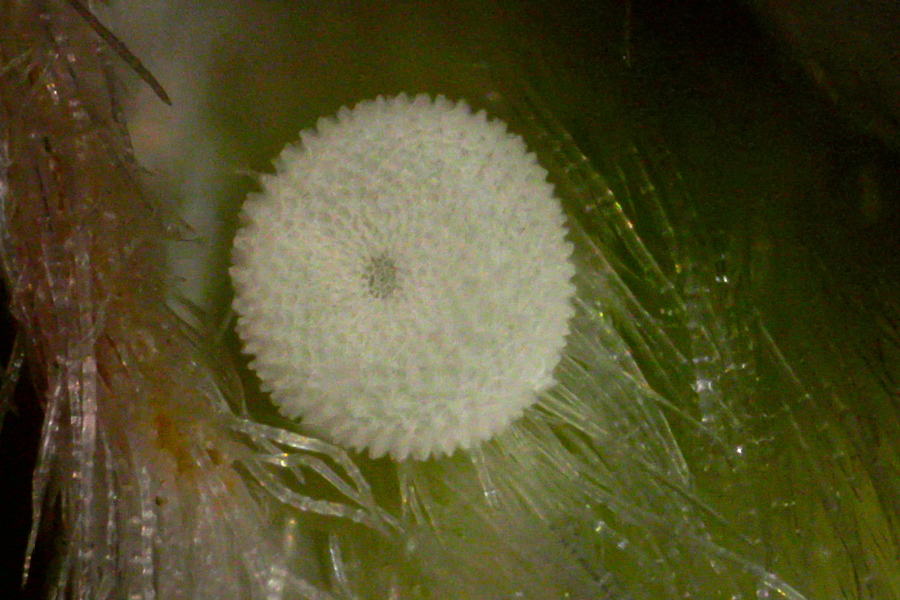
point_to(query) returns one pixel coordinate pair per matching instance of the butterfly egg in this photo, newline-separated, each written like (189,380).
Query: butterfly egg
(403,281)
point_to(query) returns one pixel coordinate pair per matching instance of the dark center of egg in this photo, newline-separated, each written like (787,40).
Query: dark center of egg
(380,277)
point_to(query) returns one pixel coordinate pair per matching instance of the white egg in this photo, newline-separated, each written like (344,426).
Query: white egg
(403,281)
